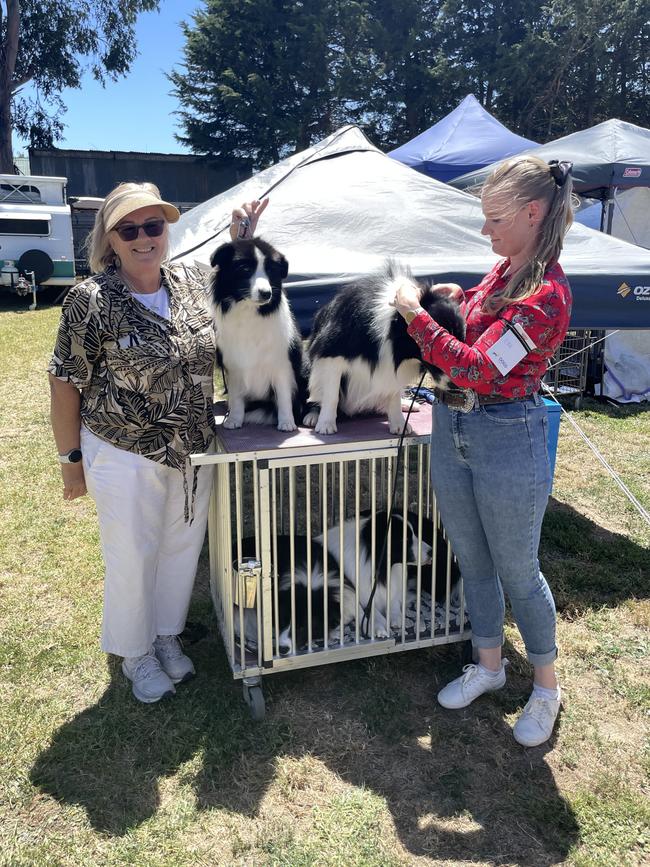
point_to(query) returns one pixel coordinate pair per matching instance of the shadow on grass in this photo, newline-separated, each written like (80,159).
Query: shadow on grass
(588,566)
(456,784)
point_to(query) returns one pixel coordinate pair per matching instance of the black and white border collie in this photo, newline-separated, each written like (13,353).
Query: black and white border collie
(258,341)
(329,598)
(361,355)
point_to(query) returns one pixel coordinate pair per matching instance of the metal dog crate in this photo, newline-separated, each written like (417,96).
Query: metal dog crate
(567,376)
(270,490)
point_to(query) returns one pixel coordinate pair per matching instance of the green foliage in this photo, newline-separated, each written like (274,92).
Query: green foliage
(56,43)
(265,78)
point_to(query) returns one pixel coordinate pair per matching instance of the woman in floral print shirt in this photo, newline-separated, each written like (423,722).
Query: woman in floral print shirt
(489,459)
(131,398)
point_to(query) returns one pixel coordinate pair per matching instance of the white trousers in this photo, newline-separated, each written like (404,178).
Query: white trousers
(150,553)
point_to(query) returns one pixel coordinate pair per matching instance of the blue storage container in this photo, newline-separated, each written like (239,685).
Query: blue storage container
(554,413)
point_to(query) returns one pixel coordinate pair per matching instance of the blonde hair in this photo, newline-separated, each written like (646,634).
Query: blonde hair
(515,183)
(100,252)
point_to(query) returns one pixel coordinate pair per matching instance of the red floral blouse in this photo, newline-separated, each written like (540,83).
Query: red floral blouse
(544,316)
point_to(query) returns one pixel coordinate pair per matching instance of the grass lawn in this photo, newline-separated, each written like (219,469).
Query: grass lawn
(355,764)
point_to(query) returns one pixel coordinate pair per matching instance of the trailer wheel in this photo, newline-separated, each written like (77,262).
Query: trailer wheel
(37,261)
(254,698)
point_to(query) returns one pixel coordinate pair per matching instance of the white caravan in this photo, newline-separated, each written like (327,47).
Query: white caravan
(35,232)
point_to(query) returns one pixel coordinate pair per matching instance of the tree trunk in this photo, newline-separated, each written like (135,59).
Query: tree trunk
(6,152)
(8,54)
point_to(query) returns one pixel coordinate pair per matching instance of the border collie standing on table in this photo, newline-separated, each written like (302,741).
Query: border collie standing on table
(258,341)
(361,354)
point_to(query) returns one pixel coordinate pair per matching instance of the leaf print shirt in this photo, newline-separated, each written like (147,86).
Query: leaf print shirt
(146,382)
(544,316)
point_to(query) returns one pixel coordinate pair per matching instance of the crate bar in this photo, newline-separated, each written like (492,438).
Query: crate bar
(240,578)
(265,637)
(309,555)
(405,553)
(418,578)
(325,560)
(292,555)
(226,571)
(389,535)
(373,539)
(276,574)
(448,589)
(341,578)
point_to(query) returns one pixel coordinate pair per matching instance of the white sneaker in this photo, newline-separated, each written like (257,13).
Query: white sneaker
(472,683)
(150,683)
(175,664)
(535,725)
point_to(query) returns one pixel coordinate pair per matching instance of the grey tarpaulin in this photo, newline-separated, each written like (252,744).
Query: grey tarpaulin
(341,207)
(611,154)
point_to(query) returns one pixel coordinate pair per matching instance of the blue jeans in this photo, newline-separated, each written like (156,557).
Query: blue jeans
(491,474)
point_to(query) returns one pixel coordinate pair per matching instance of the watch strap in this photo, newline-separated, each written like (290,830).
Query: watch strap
(410,315)
(71,457)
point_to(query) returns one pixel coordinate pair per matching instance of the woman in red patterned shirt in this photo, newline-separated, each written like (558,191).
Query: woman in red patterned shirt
(489,460)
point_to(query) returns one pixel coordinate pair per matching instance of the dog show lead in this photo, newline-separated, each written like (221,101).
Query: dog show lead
(131,382)
(490,467)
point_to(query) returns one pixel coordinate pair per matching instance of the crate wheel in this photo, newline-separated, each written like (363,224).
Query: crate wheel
(254,698)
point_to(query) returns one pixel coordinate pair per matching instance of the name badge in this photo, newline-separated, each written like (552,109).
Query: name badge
(510,348)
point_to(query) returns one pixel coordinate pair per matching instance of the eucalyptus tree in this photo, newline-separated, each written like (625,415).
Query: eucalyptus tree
(49,44)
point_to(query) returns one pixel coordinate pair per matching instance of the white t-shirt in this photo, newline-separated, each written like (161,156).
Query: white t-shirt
(157,301)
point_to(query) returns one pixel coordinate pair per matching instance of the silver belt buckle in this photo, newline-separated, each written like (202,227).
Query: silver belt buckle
(469,401)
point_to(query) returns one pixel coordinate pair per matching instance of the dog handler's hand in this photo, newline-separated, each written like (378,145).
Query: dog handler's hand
(453,290)
(74,483)
(251,211)
(407,296)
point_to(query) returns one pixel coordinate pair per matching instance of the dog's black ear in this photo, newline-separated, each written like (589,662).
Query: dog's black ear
(223,255)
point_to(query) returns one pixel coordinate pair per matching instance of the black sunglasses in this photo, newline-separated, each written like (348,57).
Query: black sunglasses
(152,229)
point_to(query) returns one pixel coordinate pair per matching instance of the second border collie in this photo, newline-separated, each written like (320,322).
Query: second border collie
(361,355)
(320,598)
(258,341)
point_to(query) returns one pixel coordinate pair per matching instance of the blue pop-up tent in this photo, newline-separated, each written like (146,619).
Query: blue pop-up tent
(467,139)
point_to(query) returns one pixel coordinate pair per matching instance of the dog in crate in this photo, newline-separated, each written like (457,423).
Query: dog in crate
(338,598)
(361,354)
(258,342)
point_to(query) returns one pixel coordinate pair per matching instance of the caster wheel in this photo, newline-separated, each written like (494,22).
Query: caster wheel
(254,698)
(467,654)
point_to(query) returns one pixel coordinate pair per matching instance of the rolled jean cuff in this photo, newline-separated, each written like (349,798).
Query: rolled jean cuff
(539,659)
(480,641)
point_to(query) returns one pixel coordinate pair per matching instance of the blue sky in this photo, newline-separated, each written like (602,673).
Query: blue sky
(134,113)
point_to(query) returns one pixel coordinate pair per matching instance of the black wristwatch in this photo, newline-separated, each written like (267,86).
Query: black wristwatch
(71,457)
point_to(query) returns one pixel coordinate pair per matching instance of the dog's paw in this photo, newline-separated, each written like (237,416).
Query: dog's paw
(381,632)
(399,427)
(232,423)
(311,419)
(326,426)
(287,424)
